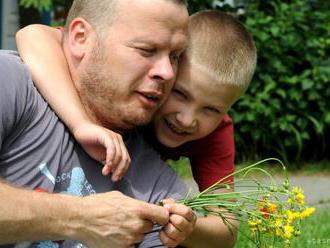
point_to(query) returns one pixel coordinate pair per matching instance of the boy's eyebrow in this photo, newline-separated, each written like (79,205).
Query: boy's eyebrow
(184,91)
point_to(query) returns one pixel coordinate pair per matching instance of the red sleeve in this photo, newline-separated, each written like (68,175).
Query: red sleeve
(212,157)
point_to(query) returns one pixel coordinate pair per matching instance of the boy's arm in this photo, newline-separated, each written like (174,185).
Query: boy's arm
(211,232)
(51,76)
(50,72)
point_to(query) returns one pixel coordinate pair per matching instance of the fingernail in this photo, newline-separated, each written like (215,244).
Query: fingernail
(167,206)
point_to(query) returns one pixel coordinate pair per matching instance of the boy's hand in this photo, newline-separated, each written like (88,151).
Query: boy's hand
(181,224)
(104,146)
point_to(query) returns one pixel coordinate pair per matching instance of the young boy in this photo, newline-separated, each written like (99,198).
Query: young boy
(214,72)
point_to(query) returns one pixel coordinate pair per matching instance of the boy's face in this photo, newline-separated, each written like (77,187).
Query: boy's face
(195,107)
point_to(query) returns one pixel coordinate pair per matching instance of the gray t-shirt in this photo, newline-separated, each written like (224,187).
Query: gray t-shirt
(38,152)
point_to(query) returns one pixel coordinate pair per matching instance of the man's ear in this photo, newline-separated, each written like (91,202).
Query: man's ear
(79,37)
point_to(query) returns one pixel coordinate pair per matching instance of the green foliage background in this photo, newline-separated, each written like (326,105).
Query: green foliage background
(286,111)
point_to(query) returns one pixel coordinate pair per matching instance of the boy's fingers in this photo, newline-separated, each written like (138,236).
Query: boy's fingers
(117,157)
(181,210)
(119,171)
(110,151)
(155,214)
(123,165)
(106,170)
(182,224)
(166,240)
(172,231)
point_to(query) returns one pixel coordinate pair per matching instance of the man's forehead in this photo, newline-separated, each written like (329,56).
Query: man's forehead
(162,10)
(154,25)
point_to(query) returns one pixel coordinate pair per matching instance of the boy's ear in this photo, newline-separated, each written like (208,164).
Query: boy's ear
(79,37)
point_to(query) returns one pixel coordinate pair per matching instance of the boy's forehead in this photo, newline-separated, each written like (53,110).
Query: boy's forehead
(204,87)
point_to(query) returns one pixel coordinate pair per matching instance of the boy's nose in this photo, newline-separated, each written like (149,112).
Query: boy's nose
(187,120)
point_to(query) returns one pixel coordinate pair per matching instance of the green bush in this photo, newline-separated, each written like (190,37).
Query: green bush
(286,111)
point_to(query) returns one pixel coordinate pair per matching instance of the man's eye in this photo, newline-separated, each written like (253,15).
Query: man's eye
(146,51)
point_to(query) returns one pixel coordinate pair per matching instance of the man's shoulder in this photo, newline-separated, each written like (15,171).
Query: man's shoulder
(10,58)
(12,69)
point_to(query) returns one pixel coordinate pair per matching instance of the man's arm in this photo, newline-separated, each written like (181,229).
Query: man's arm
(101,220)
(26,215)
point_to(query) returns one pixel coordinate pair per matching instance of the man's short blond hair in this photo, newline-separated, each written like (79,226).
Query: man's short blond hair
(99,13)
(222,47)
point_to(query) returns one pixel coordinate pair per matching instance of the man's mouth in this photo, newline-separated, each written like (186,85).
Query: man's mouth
(175,129)
(151,99)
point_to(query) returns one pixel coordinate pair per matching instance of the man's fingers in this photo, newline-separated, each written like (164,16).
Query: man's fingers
(147,226)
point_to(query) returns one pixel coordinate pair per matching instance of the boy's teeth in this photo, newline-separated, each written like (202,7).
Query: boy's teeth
(174,128)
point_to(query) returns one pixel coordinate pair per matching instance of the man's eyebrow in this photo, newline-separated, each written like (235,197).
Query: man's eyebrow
(178,46)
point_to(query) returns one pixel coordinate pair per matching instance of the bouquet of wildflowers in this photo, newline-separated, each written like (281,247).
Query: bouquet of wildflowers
(272,210)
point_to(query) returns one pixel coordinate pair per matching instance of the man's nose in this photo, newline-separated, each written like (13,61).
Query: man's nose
(163,69)
(187,119)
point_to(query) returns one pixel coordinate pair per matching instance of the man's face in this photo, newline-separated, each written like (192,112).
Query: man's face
(127,75)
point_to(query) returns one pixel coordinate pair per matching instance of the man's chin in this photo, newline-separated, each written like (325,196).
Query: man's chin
(132,123)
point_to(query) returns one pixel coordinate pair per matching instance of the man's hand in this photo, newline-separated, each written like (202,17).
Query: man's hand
(181,224)
(104,146)
(115,220)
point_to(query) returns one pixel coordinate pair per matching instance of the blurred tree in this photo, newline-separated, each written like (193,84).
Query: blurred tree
(31,11)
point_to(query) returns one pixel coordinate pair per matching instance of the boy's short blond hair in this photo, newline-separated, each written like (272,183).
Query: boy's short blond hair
(222,47)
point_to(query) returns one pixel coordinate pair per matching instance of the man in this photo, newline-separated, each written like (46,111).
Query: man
(122,56)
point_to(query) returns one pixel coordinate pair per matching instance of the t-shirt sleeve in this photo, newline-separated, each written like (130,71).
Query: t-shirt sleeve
(212,157)
(12,93)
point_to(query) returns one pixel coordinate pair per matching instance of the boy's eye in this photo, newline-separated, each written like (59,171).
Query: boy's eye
(212,110)
(174,57)
(179,94)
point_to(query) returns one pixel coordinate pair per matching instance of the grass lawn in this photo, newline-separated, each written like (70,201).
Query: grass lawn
(315,232)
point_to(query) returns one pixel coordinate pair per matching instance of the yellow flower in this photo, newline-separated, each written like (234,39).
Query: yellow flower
(300,198)
(307,212)
(254,223)
(292,215)
(278,227)
(288,231)
(297,196)
(297,190)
